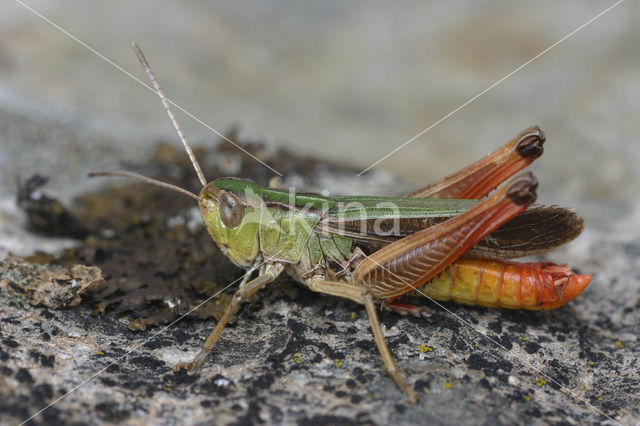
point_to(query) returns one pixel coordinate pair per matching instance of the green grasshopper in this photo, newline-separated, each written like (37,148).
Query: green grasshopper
(444,241)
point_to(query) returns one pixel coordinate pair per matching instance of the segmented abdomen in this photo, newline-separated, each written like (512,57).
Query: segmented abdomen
(507,284)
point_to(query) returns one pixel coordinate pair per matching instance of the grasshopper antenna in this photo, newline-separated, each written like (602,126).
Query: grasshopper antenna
(167,106)
(132,175)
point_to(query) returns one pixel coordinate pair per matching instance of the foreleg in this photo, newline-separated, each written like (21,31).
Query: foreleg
(271,273)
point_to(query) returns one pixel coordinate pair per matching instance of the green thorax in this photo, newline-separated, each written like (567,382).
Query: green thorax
(275,223)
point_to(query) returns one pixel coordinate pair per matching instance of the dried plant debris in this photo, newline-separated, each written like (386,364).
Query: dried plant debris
(51,286)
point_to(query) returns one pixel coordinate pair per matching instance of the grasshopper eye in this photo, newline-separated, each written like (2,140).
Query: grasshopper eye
(231,209)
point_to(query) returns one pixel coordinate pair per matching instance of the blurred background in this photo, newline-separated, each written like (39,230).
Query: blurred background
(342,81)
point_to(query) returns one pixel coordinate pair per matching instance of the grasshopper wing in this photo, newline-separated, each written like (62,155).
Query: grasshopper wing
(536,230)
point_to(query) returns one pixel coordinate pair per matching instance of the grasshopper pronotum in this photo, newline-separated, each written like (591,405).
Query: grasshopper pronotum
(445,240)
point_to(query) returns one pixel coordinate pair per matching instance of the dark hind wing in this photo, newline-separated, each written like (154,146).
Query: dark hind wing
(537,230)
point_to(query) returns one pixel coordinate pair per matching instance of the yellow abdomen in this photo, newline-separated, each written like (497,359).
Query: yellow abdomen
(506,284)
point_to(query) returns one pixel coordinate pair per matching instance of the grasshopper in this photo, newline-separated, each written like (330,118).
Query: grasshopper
(448,240)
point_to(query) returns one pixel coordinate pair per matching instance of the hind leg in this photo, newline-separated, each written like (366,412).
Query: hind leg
(483,176)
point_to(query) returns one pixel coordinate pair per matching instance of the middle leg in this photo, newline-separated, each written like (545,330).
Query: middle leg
(361,295)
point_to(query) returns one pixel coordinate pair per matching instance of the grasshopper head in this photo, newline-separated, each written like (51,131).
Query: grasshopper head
(232,223)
